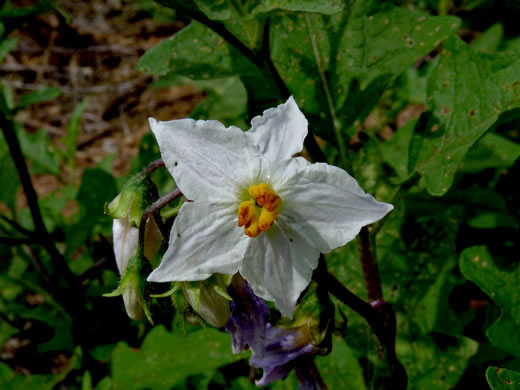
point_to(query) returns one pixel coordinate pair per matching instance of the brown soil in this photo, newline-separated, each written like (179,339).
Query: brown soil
(92,54)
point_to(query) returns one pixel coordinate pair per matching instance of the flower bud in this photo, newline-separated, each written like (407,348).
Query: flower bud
(209,299)
(137,194)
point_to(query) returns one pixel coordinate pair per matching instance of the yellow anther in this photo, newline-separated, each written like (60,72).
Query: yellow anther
(252,230)
(259,214)
(266,219)
(272,201)
(260,192)
(246,211)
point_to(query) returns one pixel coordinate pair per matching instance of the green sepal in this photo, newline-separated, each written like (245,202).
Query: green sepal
(137,194)
(144,269)
(220,283)
(315,311)
(171,291)
(193,289)
(134,277)
(127,279)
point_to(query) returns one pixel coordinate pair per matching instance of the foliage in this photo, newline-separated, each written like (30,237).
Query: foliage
(421,108)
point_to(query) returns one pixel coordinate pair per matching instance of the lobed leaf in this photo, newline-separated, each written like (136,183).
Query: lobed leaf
(464,105)
(351,54)
(498,279)
(166,359)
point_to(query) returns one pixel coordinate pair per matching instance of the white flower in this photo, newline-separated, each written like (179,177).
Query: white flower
(290,210)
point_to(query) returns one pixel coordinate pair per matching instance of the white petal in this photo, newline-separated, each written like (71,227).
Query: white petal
(327,205)
(279,265)
(204,239)
(280,131)
(207,160)
(133,306)
(126,239)
(125,242)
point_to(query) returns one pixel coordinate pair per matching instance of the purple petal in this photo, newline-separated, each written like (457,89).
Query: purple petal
(283,349)
(248,321)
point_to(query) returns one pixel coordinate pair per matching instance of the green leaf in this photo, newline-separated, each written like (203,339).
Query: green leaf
(490,39)
(394,151)
(37,96)
(6,331)
(228,9)
(327,7)
(70,140)
(367,165)
(10,380)
(105,384)
(491,151)
(415,247)
(86,383)
(6,45)
(37,148)
(226,101)
(97,186)
(352,55)
(166,359)
(340,369)
(435,363)
(464,106)
(201,54)
(498,279)
(502,379)
(195,52)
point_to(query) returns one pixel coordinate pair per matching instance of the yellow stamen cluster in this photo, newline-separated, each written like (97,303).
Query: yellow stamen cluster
(259,213)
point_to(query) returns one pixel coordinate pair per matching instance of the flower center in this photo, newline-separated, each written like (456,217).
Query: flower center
(259,212)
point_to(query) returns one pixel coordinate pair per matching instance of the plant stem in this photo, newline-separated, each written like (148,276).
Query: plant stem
(152,167)
(23,173)
(16,225)
(40,234)
(153,210)
(369,265)
(381,318)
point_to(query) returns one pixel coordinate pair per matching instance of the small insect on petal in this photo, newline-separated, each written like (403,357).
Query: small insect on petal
(252,230)
(246,211)
(266,219)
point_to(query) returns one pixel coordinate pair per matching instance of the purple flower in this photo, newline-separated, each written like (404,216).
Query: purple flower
(275,350)
(248,321)
(284,350)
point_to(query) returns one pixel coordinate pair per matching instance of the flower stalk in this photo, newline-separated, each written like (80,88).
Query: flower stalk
(153,211)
